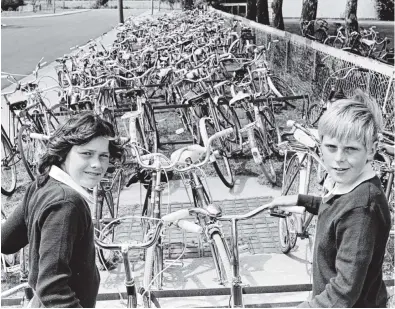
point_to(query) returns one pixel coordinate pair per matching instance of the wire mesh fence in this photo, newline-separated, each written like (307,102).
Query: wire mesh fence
(312,68)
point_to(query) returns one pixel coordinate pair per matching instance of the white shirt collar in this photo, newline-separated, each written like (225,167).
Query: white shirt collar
(60,175)
(339,189)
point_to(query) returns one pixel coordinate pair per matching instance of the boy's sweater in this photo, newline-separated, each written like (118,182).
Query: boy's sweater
(56,221)
(351,236)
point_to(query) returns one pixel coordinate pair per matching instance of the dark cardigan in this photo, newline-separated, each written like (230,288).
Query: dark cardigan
(56,222)
(352,232)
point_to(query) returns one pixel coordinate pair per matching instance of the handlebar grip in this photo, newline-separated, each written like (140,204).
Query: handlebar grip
(189,226)
(290,123)
(177,215)
(39,136)
(42,64)
(292,209)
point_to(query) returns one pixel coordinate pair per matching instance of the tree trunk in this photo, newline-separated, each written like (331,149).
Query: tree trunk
(309,10)
(351,16)
(251,10)
(262,12)
(278,21)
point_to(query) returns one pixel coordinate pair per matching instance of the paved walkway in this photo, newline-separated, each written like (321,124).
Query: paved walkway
(258,268)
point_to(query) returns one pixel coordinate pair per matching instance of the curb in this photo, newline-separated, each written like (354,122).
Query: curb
(45,15)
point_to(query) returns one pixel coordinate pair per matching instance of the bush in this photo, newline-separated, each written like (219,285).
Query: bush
(11,5)
(385,9)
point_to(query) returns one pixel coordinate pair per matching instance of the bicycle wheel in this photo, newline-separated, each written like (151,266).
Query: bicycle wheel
(273,136)
(221,163)
(8,168)
(153,267)
(191,122)
(31,150)
(280,87)
(314,114)
(228,118)
(105,209)
(334,42)
(266,163)
(287,226)
(223,259)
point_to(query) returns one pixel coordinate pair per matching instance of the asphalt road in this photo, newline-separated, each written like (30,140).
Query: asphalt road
(25,41)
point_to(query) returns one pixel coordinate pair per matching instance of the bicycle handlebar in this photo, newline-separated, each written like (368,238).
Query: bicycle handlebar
(172,166)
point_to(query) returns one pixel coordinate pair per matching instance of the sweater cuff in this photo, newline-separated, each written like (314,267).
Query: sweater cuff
(310,202)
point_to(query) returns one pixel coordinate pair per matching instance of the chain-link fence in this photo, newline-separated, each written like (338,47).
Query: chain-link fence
(313,68)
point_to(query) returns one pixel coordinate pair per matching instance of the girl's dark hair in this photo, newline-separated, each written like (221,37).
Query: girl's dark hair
(78,130)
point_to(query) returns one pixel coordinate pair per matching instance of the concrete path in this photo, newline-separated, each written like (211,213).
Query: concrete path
(256,270)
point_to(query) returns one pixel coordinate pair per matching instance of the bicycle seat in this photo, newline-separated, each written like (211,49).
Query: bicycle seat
(20,105)
(194,152)
(368,42)
(239,97)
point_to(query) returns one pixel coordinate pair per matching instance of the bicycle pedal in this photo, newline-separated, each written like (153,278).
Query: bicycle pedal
(278,213)
(303,235)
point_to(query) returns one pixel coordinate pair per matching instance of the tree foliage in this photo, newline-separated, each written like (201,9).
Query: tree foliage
(385,9)
(7,5)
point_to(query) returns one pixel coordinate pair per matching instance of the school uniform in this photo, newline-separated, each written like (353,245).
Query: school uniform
(55,220)
(353,226)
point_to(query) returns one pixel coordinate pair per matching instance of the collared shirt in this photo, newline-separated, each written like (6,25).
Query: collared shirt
(340,189)
(60,175)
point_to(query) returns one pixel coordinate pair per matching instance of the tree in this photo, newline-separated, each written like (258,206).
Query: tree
(262,12)
(278,21)
(385,9)
(309,10)
(251,10)
(351,16)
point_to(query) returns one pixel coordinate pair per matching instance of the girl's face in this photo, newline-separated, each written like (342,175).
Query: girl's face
(345,161)
(86,164)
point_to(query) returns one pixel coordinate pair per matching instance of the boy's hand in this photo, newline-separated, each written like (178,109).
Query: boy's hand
(284,200)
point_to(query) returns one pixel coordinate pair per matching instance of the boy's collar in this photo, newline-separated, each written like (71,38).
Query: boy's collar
(339,189)
(60,175)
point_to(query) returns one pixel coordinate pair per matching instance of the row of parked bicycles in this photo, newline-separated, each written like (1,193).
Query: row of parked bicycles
(366,42)
(212,77)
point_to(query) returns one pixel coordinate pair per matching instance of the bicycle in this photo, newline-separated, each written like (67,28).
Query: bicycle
(188,157)
(298,178)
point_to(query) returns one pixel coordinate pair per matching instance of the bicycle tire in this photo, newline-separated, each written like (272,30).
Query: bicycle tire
(132,301)
(334,42)
(221,164)
(192,123)
(228,118)
(106,258)
(30,150)
(273,135)
(8,166)
(225,265)
(314,114)
(287,239)
(266,165)
(152,267)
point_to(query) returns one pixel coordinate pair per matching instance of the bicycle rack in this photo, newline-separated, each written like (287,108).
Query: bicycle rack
(285,100)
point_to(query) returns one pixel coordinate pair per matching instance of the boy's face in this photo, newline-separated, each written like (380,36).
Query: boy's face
(345,160)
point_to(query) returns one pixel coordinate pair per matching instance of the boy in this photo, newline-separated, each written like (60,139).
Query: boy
(353,217)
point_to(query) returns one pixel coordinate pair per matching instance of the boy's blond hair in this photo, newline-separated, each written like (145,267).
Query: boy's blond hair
(358,118)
